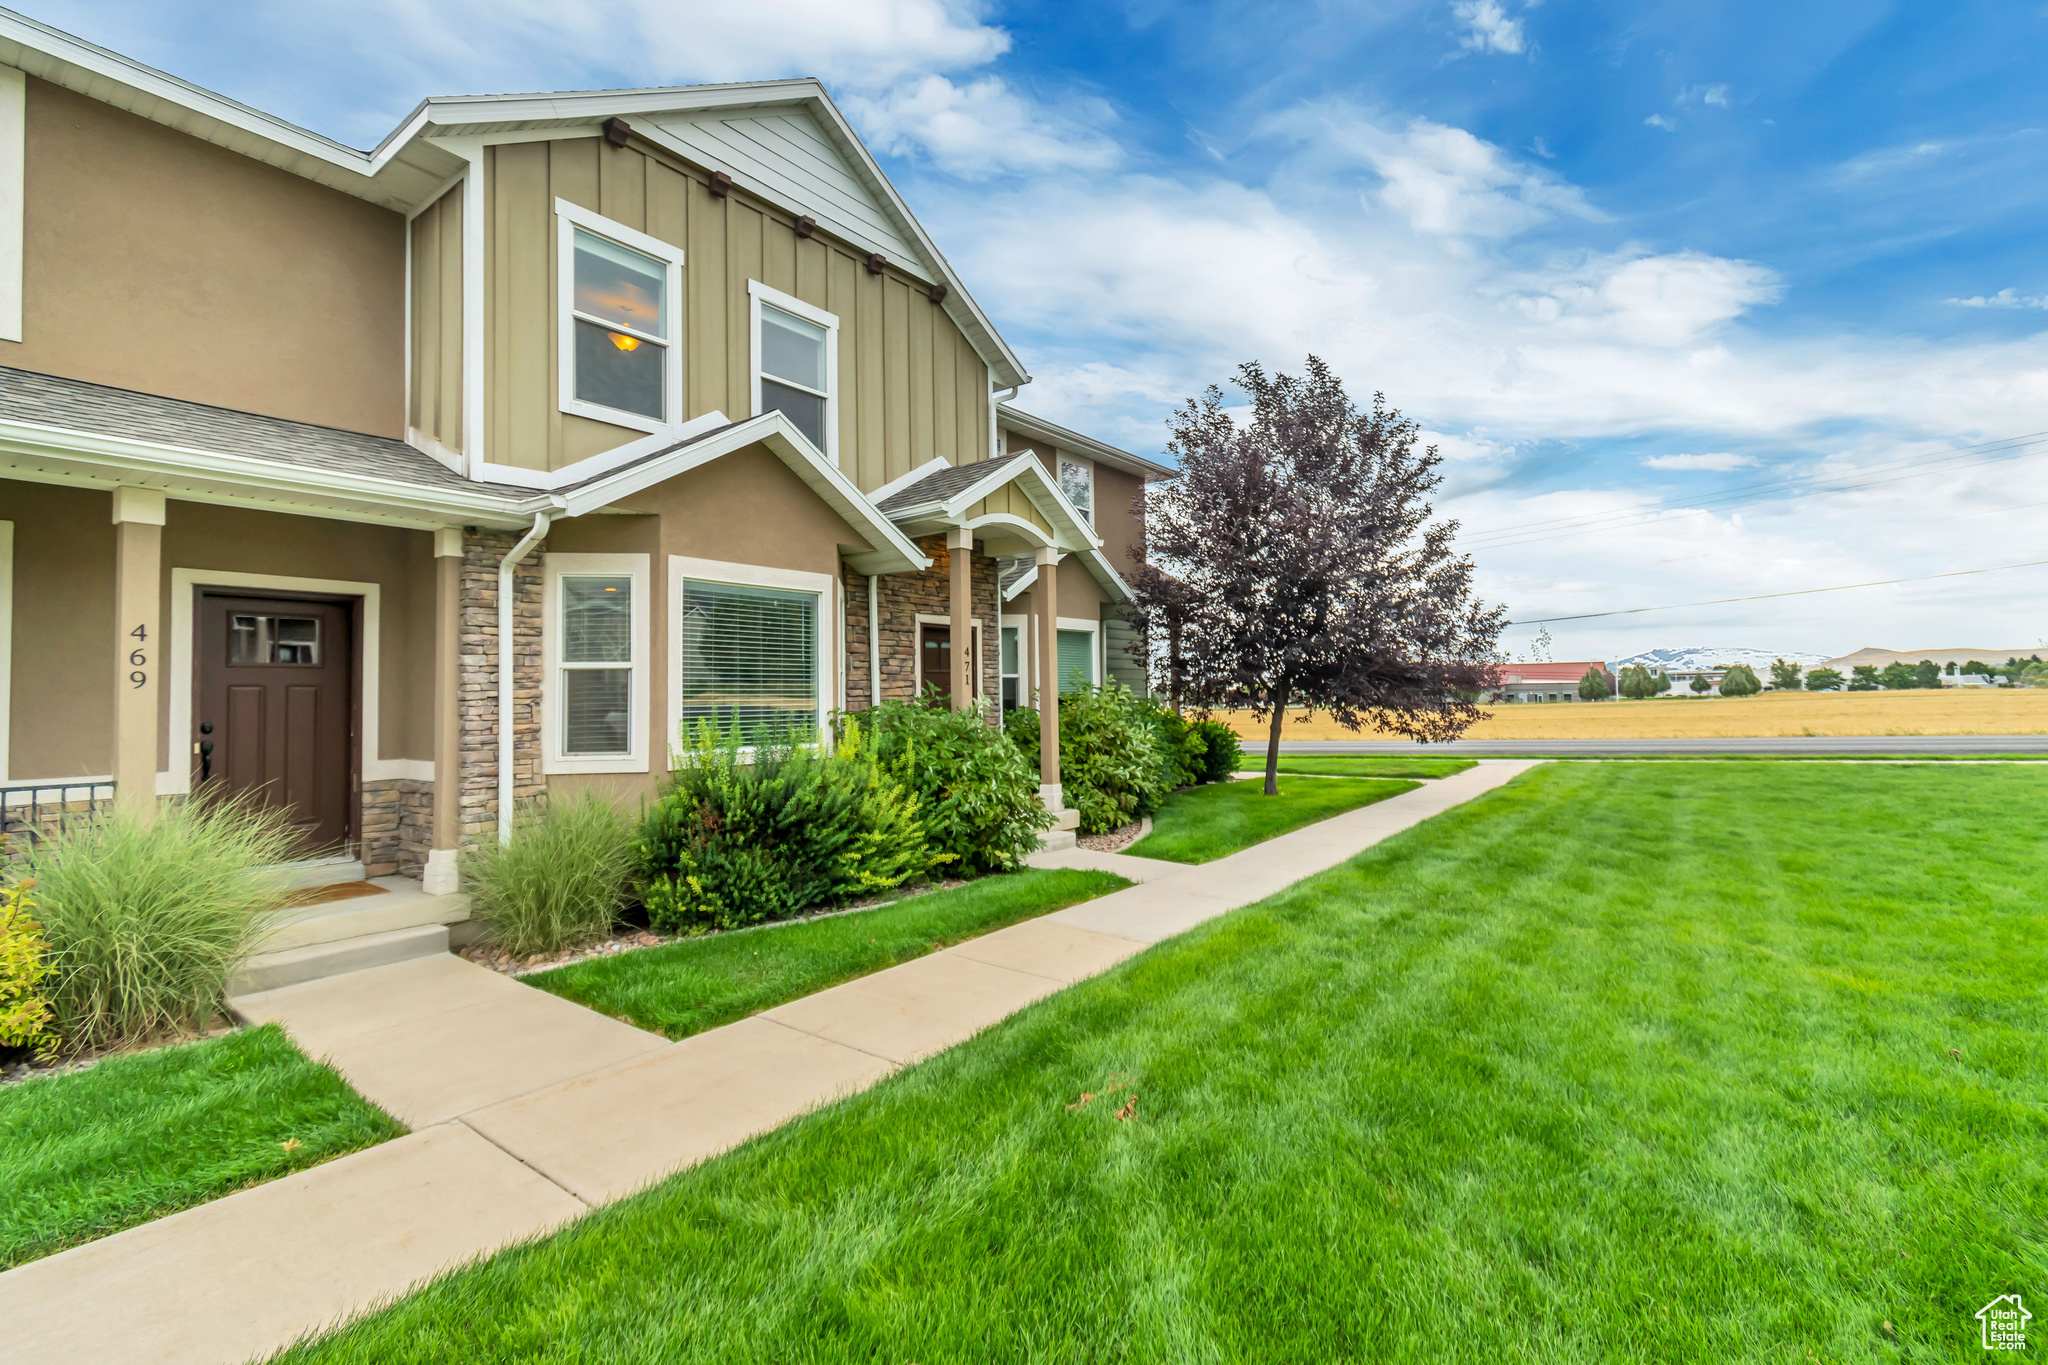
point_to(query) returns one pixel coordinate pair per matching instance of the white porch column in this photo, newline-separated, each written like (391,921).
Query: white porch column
(1045,604)
(139,648)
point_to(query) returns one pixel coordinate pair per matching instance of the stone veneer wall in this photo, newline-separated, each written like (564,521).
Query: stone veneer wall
(478,673)
(901,597)
(397,826)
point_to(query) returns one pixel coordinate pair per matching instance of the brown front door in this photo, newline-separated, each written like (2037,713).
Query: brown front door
(935,649)
(275,709)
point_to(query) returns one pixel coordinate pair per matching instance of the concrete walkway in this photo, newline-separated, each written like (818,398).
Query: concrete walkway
(528,1110)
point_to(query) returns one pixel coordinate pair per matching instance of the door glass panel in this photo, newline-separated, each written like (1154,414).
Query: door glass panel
(298,640)
(597,708)
(245,641)
(597,619)
(273,640)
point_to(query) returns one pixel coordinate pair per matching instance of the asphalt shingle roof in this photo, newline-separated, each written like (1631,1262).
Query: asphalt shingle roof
(941,484)
(78,405)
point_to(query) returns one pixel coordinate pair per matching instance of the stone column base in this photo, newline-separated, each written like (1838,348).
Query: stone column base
(440,876)
(1049,793)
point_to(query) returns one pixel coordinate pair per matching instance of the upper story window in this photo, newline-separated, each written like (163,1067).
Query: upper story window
(796,364)
(1077,481)
(620,307)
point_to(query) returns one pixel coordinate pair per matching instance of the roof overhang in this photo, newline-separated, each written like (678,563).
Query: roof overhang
(1070,530)
(1038,429)
(37,453)
(1099,568)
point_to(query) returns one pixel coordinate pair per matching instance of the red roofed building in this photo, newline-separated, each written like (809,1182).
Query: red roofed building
(1547,682)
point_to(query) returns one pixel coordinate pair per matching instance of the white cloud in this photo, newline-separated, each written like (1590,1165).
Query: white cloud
(1487,26)
(983,128)
(1713,96)
(1664,121)
(1717,462)
(1667,300)
(2004,298)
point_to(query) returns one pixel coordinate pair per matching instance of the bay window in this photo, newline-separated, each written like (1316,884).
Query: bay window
(750,658)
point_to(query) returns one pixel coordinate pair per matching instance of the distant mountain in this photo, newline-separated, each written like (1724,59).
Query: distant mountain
(1758,659)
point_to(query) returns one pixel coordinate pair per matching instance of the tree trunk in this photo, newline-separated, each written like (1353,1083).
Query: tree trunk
(1173,661)
(1273,741)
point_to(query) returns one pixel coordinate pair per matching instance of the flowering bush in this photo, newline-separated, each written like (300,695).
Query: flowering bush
(25,1011)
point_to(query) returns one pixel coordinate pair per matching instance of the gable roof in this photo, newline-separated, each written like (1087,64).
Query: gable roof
(1038,429)
(783,141)
(939,495)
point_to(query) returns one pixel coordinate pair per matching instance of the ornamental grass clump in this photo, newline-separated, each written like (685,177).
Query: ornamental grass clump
(746,833)
(562,880)
(148,916)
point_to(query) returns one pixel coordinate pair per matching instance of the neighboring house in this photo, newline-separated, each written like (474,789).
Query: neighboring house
(402,485)
(1545,682)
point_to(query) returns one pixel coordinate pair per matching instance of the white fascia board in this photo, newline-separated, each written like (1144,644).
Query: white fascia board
(923,471)
(889,550)
(354,497)
(1038,429)
(1044,493)
(1106,574)
(1030,576)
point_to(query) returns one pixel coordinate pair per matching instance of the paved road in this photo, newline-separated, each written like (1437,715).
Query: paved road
(1792,745)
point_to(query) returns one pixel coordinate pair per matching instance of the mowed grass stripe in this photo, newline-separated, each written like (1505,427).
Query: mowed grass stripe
(1617,1063)
(1202,824)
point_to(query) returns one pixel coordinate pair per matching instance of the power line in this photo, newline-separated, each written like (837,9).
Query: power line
(1796,592)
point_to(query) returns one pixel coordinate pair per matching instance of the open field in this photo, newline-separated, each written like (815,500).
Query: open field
(1622,1062)
(1952,711)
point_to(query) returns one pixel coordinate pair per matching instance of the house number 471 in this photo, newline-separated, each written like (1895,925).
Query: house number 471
(138,659)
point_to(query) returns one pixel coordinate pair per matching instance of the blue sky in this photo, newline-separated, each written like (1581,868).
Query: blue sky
(1634,265)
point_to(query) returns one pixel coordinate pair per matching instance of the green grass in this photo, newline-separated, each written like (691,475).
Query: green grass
(1617,1063)
(1202,824)
(688,987)
(87,1153)
(1360,765)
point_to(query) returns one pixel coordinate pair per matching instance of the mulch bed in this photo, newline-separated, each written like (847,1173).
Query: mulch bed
(1116,841)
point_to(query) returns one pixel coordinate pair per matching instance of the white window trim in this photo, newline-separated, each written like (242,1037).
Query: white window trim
(830,671)
(178,781)
(6,643)
(1093,628)
(554,567)
(925,618)
(569,217)
(13,200)
(1060,462)
(1022,625)
(758,294)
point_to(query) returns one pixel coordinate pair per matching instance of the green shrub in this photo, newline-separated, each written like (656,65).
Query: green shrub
(25,1011)
(979,792)
(148,917)
(740,836)
(1021,725)
(1110,762)
(561,880)
(1181,749)
(1223,752)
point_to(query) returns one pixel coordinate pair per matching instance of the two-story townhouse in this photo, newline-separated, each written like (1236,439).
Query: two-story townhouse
(399,486)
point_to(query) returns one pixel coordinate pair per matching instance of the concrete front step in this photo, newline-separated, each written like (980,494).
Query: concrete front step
(268,971)
(1063,834)
(318,872)
(401,905)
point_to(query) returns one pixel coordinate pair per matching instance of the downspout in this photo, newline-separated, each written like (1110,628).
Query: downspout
(993,399)
(505,568)
(874,641)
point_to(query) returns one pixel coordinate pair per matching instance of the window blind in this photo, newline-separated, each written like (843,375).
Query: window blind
(750,658)
(1077,659)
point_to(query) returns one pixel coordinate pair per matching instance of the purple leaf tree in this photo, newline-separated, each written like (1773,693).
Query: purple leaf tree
(1293,563)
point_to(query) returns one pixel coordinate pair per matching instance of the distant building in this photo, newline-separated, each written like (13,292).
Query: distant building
(1547,682)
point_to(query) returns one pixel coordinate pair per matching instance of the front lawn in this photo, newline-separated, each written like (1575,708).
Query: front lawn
(86,1153)
(1621,1062)
(1202,824)
(698,984)
(1360,765)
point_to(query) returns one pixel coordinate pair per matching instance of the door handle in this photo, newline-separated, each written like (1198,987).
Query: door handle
(205,751)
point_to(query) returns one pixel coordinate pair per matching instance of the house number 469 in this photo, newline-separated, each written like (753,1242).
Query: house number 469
(138,659)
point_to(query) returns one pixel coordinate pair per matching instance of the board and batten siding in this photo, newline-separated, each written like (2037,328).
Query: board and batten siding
(435,384)
(910,385)
(1013,500)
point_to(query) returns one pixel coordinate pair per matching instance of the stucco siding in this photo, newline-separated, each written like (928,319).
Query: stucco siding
(159,262)
(61,698)
(910,384)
